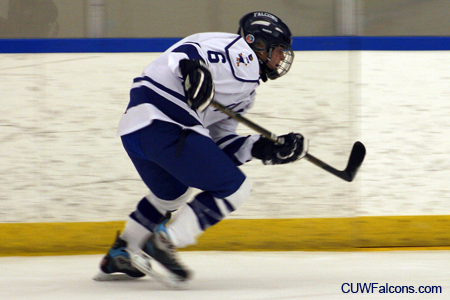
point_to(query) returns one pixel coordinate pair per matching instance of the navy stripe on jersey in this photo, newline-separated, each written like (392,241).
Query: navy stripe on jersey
(143,94)
(234,147)
(161,87)
(190,50)
(226,138)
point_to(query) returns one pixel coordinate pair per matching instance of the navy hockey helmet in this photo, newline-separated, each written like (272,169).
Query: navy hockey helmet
(264,31)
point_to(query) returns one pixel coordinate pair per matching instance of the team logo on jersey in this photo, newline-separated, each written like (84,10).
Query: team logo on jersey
(249,38)
(241,59)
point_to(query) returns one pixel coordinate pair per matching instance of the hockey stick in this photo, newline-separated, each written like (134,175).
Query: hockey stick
(348,174)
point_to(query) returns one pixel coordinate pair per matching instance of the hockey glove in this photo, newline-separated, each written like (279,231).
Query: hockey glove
(197,83)
(294,148)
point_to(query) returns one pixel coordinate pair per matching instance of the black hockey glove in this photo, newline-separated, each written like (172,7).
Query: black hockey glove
(294,148)
(197,83)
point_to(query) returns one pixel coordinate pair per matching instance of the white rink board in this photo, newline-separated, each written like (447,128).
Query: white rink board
(61,161)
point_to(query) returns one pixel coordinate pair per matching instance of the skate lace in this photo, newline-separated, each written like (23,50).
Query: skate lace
(166,245)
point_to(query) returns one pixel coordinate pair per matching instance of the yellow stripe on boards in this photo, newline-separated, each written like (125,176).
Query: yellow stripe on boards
(306,234)
(57,238)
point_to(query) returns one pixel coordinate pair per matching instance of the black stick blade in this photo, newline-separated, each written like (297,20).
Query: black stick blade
(355,161)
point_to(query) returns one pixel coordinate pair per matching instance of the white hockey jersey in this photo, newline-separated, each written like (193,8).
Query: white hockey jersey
(235,71)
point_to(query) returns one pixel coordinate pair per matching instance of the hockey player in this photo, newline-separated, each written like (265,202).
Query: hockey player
(177,142)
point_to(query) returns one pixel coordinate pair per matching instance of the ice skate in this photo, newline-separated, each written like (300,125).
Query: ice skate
(116,264)
(160,249)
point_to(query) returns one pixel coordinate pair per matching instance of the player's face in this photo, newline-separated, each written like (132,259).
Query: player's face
(275,59)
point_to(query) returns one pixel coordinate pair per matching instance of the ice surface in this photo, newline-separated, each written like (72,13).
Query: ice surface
(235,275)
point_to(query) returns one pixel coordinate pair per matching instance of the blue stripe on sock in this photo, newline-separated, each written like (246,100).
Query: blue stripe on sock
(147,215)
(205,208)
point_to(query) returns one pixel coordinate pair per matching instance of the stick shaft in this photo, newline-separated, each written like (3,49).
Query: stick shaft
(237,116)
(274,138)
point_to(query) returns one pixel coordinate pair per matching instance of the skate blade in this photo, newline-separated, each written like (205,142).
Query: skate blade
(102,276)
(141,262)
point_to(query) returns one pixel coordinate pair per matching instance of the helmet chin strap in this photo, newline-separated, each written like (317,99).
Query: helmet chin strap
(262,67)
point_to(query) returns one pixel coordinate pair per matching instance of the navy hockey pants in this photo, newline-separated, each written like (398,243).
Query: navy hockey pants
(170,160)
